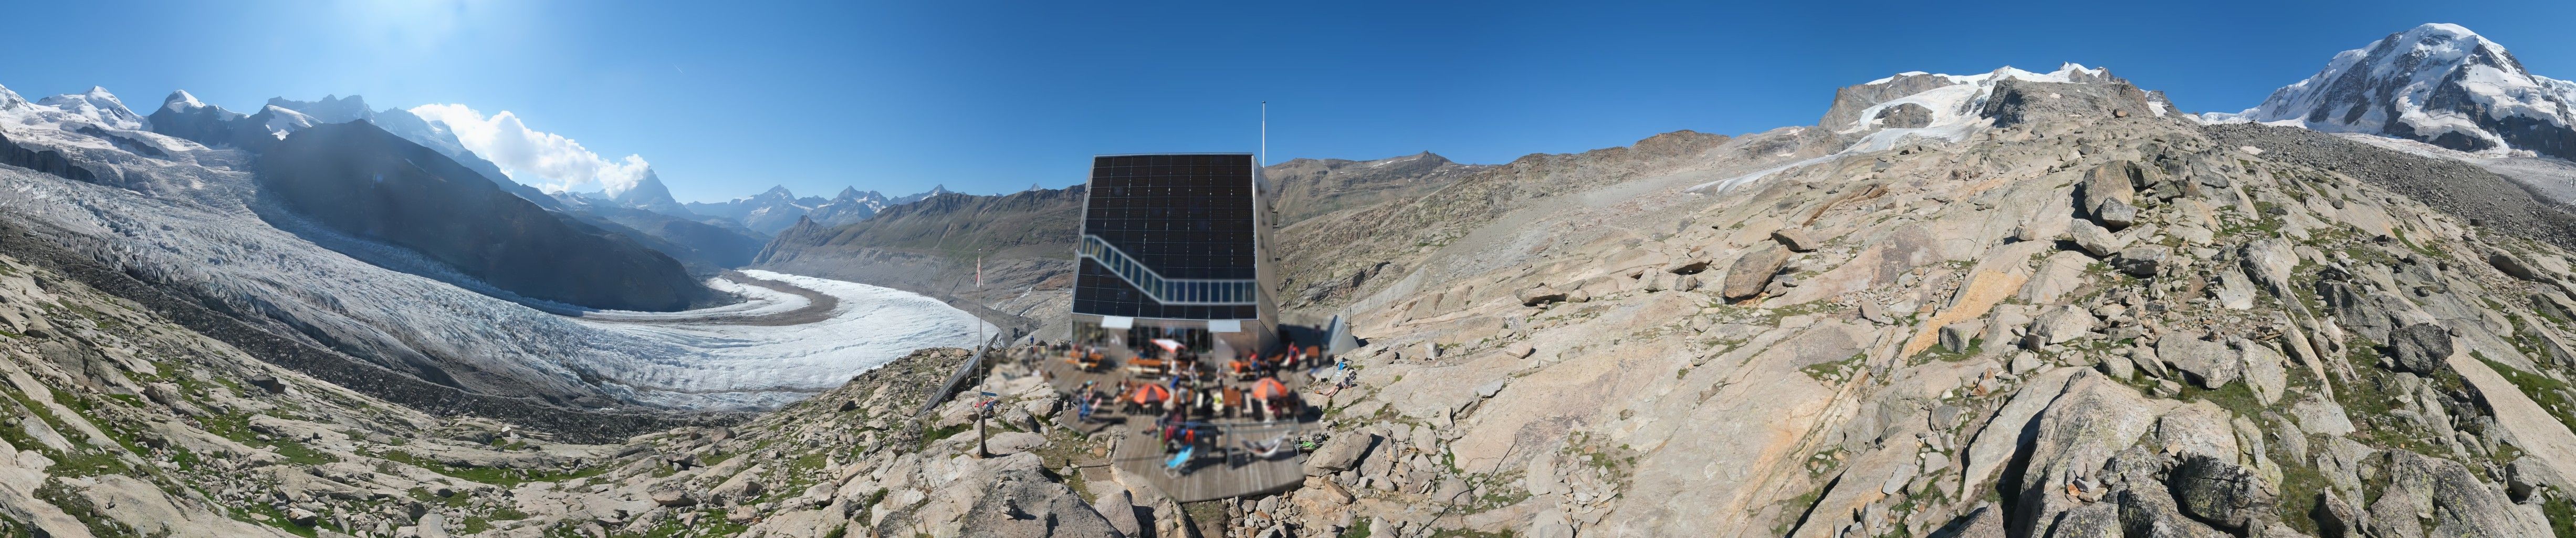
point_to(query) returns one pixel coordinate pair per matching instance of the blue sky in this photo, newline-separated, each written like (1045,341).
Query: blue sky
(727,99)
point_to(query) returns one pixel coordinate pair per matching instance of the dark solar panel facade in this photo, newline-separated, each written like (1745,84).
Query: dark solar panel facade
(1187,221)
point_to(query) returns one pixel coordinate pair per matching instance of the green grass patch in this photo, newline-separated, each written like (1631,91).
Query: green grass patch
(498,476)
(1836,371)
(1361,528)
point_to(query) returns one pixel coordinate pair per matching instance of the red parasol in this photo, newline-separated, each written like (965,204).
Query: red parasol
(1267,388)
(1146,394)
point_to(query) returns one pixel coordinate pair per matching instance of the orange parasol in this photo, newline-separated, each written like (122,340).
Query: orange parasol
(1267,388)
(1146,394)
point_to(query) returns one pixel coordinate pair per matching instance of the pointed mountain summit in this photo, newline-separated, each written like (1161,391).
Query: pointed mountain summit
(2436,83)
(935,190)
(650,194)
(10,100)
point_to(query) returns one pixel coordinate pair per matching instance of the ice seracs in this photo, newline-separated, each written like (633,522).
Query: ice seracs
(2436,83)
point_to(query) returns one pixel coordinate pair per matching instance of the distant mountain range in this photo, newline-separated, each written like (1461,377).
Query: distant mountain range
(705,236)
(777,209)
(2436,83)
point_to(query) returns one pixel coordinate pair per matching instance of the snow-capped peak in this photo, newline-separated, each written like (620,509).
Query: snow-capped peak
(99,106)
(2438,83)
(282,121)
(10,99)
(182,101)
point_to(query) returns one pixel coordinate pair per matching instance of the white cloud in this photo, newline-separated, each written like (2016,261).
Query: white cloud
(539,158)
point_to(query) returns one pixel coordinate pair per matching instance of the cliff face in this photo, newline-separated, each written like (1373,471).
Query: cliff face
(357,179)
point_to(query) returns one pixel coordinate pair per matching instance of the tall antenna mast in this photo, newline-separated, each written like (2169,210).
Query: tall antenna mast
(1262,159)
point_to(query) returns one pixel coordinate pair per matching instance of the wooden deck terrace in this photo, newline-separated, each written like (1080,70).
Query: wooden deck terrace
(1222,468)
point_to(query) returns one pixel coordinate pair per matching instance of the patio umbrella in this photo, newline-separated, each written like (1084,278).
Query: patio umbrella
(1151,393)
(1267,388)
(1169,345)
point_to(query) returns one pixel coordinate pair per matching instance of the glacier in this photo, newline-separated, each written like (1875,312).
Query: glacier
(194,220)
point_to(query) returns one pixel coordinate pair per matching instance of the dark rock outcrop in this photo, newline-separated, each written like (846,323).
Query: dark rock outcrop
(2421,348)
(43,160)
(1905,116)
(2016,101)
(361,180)
(1849,101)
(2221,493)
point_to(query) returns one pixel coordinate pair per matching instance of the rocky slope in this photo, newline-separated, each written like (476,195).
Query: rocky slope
(1302,189)
(2046,311)
(363,181)
(121,422)
(2080,324)
(932,246)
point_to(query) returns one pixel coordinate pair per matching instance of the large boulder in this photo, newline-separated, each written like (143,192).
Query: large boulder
(1339,453)
(2146,510)
(1536,295)
(1119,507)
(2116,215)
(2460,505)
(1956,337)
(2082,429)
(2060,324)
(1797,239)
(2270,261)
(2095,240)
(2143,261)
(2527,475)
(2266,371)
(2513,266)
(2116,181)
(2357,310)
(2222,493)
(2208,363)
(1753,270)
(1023,503)
(2422,348)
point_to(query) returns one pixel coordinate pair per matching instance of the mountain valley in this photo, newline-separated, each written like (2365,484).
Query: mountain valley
(2013,304)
